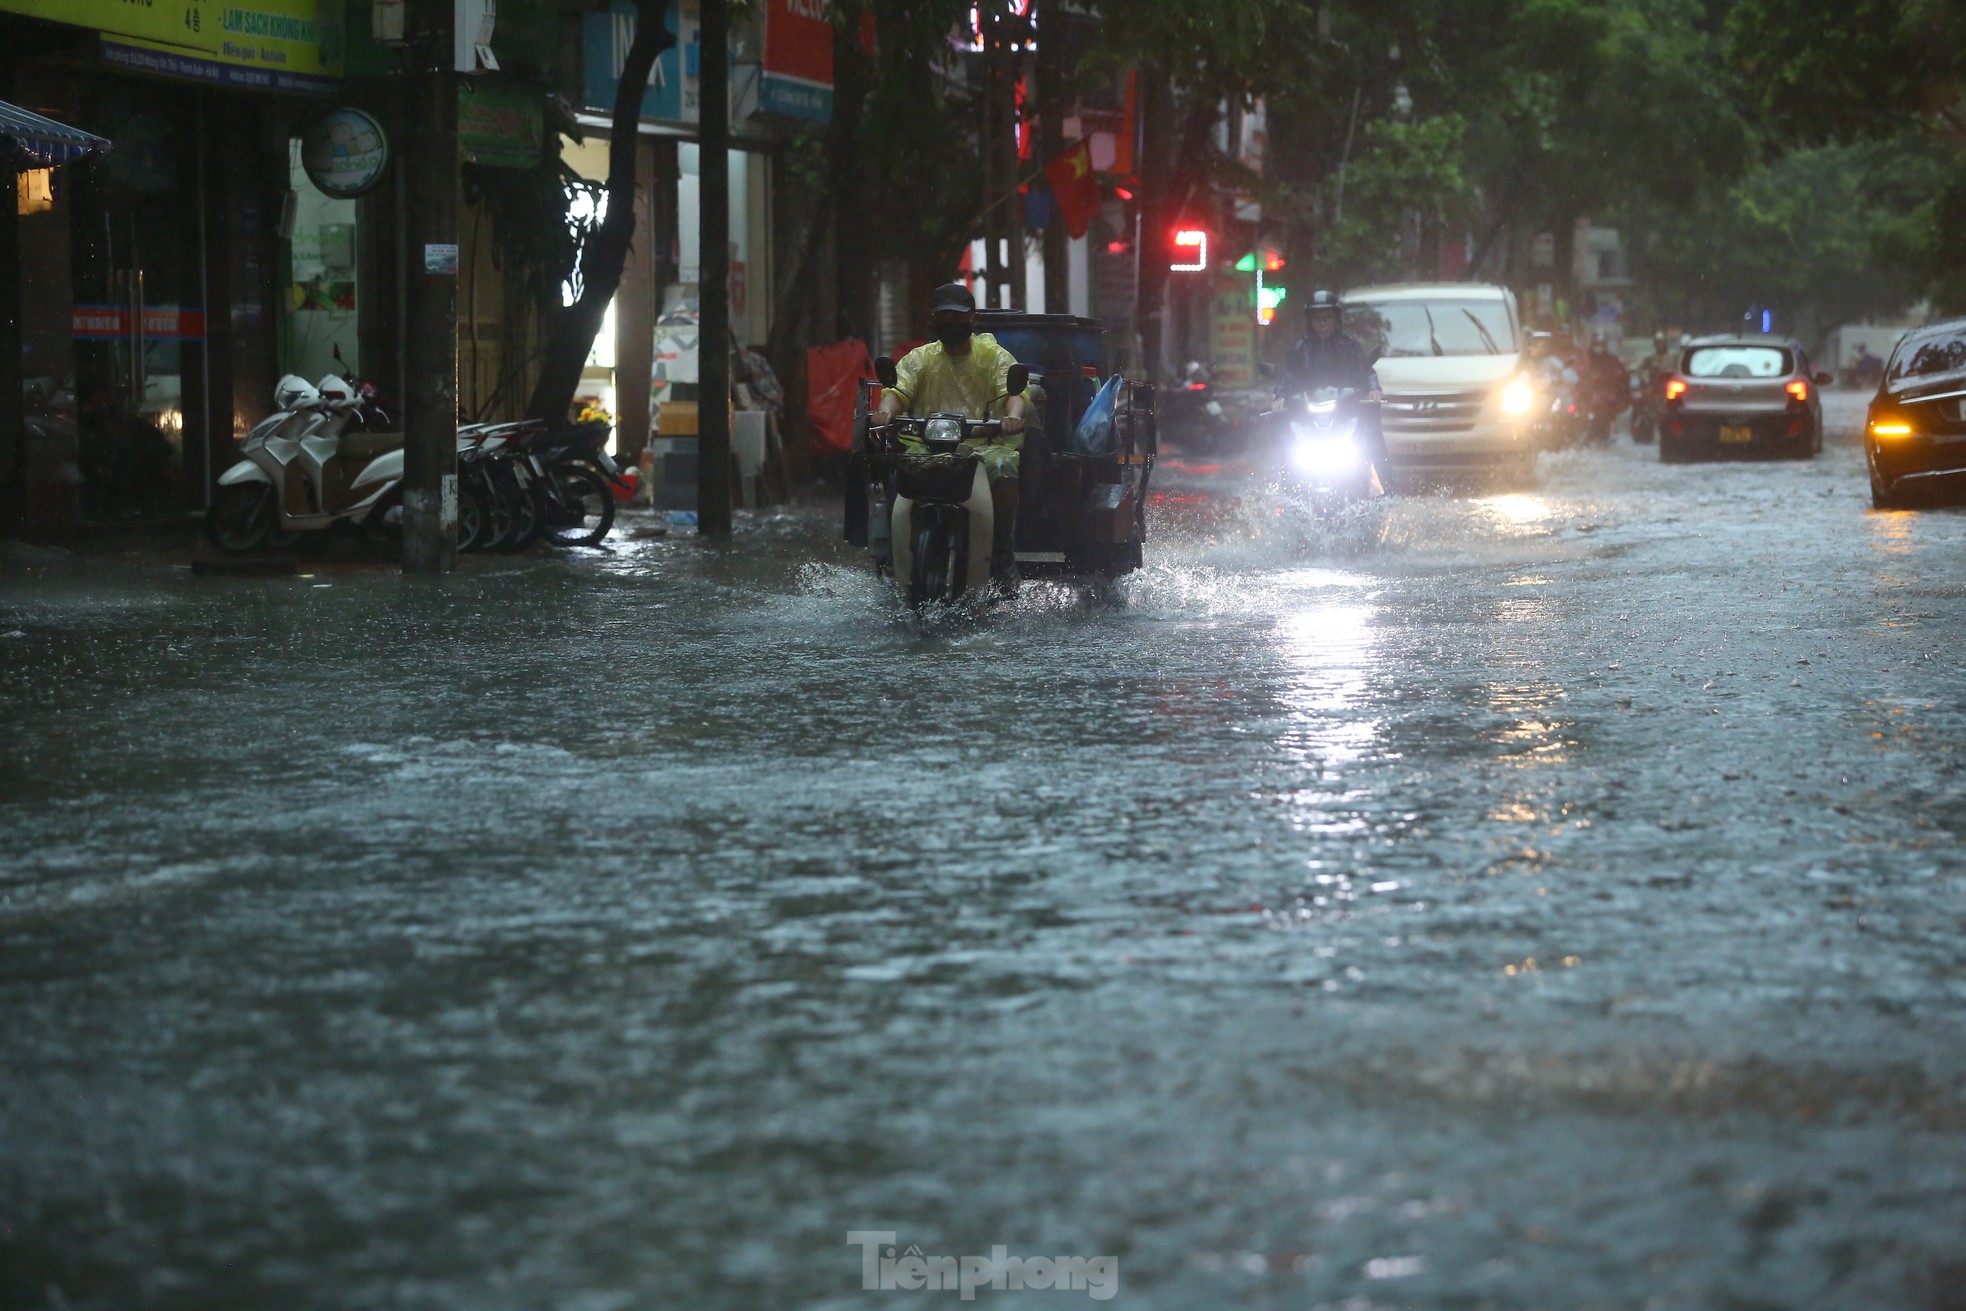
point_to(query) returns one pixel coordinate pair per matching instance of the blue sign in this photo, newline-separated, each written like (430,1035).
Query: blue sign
(794,97)
(672,93)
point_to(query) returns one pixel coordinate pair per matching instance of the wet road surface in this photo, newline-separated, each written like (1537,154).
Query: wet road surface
(1540,899)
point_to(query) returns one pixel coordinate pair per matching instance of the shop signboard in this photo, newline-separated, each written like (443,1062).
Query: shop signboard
(272,45)
(1232,335)
(500,124)
(672,86)
(798,68)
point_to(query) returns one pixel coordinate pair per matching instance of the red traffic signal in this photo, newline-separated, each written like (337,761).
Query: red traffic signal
(1190,247)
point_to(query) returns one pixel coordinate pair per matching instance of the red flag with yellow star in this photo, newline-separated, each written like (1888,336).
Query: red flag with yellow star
(1074,189)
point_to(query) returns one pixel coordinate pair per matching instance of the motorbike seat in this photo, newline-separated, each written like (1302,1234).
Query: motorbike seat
(367,445)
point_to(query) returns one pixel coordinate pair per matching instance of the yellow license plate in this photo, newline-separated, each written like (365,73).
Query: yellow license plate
(1735,435)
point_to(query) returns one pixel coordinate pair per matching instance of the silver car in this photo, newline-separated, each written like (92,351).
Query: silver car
(1742,396)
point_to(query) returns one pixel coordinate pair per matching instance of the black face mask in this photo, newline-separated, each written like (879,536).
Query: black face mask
(952,335)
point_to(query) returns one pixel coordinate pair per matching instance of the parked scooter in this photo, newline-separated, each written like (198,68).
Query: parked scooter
(303,469)
(942,522)
(1195,416)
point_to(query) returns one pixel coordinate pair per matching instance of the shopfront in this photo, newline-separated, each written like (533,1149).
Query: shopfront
(655,318)
(149,273)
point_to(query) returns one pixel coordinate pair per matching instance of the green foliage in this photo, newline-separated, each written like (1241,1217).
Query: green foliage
(1828,234)
(1841,70)
(1401,169)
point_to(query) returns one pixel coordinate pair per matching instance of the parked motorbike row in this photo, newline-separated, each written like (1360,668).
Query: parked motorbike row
(324,460)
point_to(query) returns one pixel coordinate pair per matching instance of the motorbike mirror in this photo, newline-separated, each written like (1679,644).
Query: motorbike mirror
(884,370)
(1016,380)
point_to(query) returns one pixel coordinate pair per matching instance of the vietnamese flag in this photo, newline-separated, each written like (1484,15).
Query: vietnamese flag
(1073,188)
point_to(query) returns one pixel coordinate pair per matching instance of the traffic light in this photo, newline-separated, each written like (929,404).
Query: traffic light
(1267,300)
(1190,251)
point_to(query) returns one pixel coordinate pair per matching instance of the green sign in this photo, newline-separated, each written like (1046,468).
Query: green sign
(500,124)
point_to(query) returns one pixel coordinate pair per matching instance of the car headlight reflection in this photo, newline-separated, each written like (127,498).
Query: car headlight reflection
(1518,397)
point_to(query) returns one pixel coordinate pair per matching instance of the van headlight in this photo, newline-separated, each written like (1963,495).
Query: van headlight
(1518,397)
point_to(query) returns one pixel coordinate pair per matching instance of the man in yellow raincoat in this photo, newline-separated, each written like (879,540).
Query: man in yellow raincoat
(963,371)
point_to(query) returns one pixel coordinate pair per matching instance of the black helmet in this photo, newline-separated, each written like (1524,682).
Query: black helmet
(1324,300)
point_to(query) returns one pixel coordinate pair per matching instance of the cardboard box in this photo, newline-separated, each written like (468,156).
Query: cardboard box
(676,419)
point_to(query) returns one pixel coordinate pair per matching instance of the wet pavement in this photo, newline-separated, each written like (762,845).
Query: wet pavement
(1543,898)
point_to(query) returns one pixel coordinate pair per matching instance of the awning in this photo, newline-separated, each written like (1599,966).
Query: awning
(37,142)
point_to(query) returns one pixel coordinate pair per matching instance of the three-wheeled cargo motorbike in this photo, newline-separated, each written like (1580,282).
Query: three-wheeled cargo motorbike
(923,514)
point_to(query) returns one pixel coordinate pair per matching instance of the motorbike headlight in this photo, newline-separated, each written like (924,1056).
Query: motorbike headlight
(1325,455)
(943,430)
(1518,397)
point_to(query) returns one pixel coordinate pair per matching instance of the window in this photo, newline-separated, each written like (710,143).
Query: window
(1930,356)
(1441,327)
(1737,362)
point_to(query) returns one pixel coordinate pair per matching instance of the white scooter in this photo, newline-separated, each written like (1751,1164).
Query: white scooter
(304,469)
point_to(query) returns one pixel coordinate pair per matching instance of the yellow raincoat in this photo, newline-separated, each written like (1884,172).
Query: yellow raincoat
(929,380)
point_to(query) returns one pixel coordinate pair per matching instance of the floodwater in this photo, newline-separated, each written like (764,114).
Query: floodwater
(1549,898)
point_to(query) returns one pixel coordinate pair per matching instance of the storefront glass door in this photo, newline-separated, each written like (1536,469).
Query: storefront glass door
(113,317)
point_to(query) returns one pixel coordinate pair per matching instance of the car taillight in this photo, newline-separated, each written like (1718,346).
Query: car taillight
(1798,389)
(1675,388)
(1890,428)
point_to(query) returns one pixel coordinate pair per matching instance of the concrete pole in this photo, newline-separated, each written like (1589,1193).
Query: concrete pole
(1051,144)
(713,489)
(428,143)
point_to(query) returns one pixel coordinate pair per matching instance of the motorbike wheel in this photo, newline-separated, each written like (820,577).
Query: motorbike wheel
(1643,430)
(579,506)
(520,513)
(472,519)
(933,577)
(477,531)
(376,528)
(241,517)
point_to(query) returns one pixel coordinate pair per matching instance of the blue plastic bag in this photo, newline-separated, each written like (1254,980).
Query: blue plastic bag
(1097,433)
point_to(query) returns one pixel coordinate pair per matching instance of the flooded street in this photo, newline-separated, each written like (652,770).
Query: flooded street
(1548,898)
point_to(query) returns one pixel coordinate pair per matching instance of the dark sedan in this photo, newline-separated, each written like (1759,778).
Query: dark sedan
(1741,396)
(1916,429)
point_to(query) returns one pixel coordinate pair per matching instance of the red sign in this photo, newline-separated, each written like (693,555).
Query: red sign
(160,323)
(798,71)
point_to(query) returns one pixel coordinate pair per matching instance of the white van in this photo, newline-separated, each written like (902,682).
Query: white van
(1454,373)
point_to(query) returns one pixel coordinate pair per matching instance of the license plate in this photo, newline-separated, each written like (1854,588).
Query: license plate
(1736,434)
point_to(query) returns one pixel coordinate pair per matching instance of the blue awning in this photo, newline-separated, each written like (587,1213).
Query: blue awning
(37,142)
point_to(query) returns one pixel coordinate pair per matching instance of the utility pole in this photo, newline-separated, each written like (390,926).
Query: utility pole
(429,138)
(995,180)
(1051,144)
(713,489)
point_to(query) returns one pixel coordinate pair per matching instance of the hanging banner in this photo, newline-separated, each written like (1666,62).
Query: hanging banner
(798,69)
(673,84)
(271,45)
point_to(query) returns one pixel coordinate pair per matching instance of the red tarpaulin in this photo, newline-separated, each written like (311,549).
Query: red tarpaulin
(833,374)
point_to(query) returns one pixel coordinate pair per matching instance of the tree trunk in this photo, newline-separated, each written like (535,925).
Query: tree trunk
(570,338)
